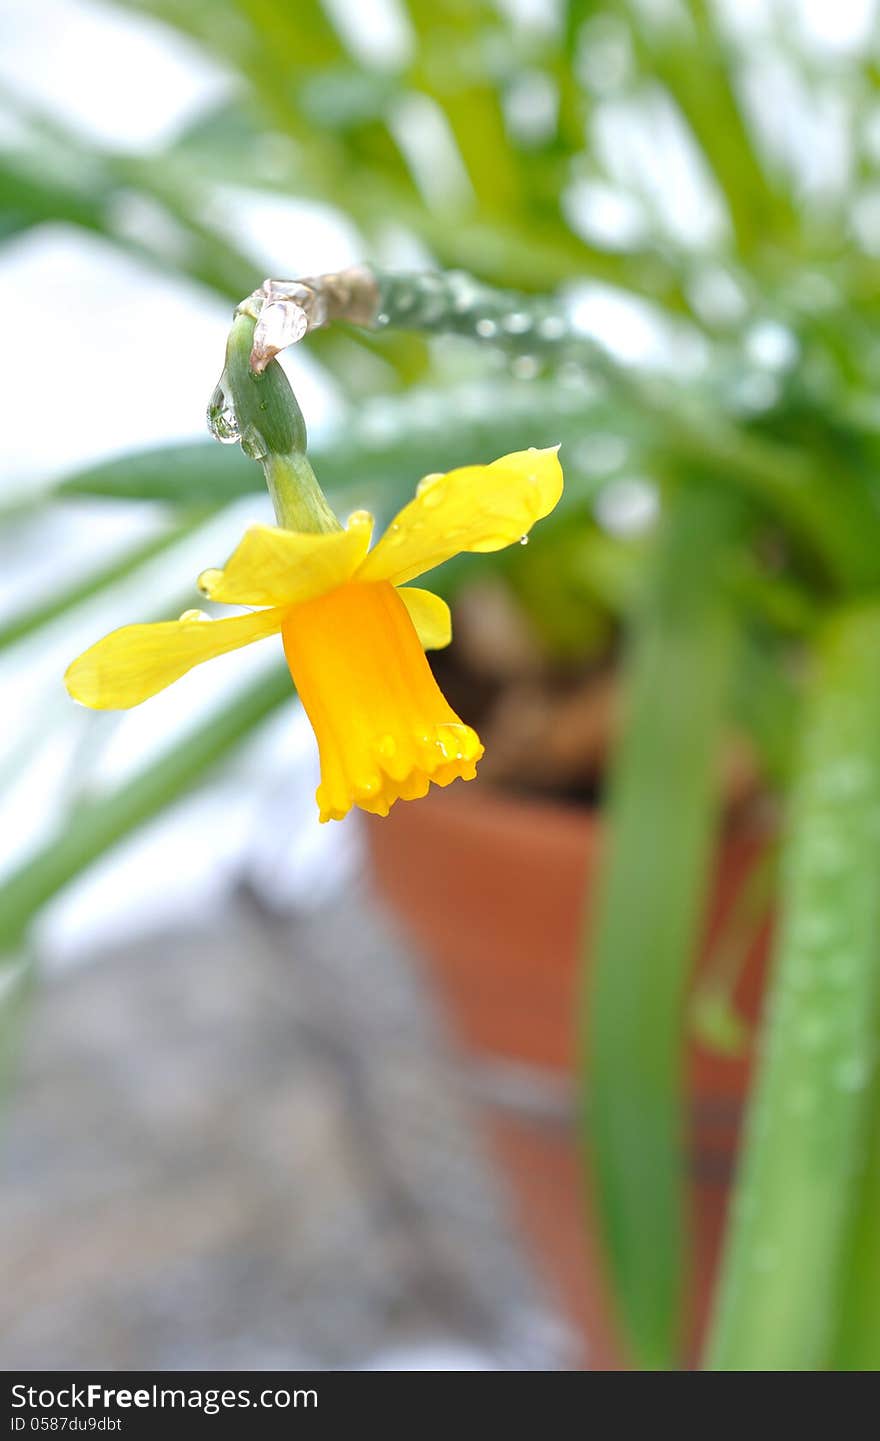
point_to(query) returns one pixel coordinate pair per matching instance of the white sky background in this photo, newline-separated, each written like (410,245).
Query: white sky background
(130,83)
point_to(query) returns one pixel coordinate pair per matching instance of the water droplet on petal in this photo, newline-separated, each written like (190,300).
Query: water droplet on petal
(359,518)
(196,615)
(208,580)
(431,491)
(523,540)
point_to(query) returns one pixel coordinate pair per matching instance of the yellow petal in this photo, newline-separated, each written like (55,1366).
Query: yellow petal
(430,615)
(385,731)
(133,663)
(283,567)
(480,507)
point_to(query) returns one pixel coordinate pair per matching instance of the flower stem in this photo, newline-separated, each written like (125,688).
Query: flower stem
(272,431)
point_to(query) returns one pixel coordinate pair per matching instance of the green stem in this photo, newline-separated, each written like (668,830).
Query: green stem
(274,433)
(780,1284)
(664,806)
(297,498)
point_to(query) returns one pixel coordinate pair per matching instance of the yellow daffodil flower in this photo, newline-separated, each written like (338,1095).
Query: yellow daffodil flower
(354,632)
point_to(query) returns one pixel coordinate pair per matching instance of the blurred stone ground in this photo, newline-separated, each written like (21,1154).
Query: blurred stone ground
(251,1148)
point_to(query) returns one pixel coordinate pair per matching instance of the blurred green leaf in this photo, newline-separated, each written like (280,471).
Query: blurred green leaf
(699,71)
(64,600)
(381,455)
(663,808)
(856,1345)
(714,1015)
(198,473)
(17,988)
(101,824)
(780,1291)
(765,701)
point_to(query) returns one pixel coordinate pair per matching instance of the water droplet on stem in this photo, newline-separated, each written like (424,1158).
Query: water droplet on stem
(221,417)
(253,443)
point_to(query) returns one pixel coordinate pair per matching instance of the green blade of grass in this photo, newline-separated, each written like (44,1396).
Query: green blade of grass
(779,1293)
(664,806)
(24,624)
(102,824)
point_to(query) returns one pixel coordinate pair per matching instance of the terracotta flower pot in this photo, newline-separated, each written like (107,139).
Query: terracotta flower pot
(494,891)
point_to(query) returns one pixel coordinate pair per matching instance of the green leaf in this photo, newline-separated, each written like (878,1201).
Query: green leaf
(17,986)
(379,456)
(664,807)
(714,1016)
(780,1288)
(198,473)
(857,1342)
(56,605)
(766,698)
(700,73)
(95,828)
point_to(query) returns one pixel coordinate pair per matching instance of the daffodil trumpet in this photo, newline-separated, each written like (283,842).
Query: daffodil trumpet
(354,630)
